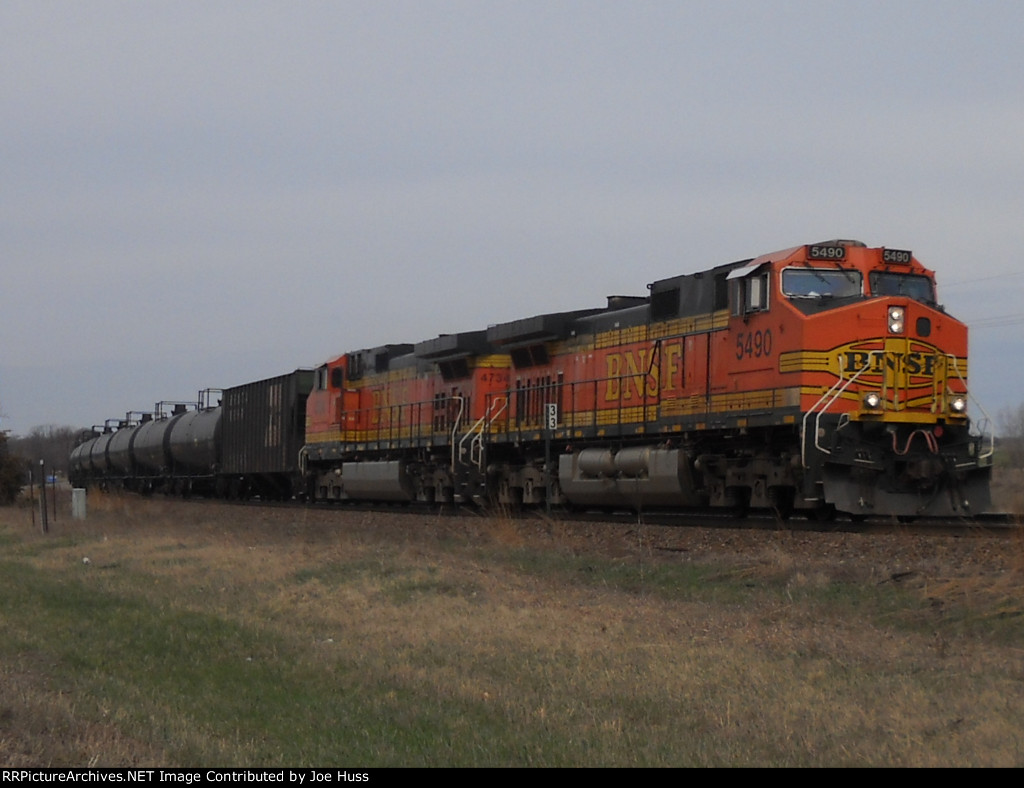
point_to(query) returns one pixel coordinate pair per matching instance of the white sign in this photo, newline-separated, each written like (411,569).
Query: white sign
(552,415)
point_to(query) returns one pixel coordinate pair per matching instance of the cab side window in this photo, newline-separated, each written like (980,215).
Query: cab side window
(750,294)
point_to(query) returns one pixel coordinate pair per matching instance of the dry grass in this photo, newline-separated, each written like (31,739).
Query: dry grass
(1008,490)
(42,726)
(508,642)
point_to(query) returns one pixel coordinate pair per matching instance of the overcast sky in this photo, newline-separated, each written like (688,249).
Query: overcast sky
(202,194)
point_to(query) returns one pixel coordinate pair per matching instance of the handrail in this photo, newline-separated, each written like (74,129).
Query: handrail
(455,424)
(987,419)
(478,429)
(831,395)
(840,386)
(479,440)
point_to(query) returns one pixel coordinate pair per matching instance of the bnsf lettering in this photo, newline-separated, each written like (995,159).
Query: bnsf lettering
(908,363)
(381,400)
(632,376)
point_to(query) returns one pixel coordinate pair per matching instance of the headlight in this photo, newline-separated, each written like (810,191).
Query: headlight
(958,405)
(895,320)
(872,400)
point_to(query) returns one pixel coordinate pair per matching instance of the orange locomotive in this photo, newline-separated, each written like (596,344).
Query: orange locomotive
(822,378)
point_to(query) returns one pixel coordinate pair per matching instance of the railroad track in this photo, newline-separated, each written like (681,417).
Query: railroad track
(986,524)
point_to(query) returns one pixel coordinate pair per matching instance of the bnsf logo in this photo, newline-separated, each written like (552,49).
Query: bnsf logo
(878,361)
(891,361)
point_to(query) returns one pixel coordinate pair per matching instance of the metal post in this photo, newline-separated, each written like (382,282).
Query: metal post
(42,497)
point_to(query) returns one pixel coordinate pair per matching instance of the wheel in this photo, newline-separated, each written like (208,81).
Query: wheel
(782,501)
(824,513)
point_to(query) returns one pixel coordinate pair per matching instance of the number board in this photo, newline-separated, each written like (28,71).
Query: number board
(826,252)
(899,256)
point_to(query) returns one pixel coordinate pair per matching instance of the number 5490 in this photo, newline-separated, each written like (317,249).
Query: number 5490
(753,344)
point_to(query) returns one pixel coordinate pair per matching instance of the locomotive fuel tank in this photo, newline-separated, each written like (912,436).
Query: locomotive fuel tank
(386,480)
(650,475)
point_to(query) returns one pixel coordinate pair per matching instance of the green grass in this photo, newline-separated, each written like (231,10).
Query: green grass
(235,695)
(358,651)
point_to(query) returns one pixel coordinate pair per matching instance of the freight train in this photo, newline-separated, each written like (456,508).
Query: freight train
(819,379)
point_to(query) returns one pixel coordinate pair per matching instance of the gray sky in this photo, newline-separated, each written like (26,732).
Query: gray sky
(201,194)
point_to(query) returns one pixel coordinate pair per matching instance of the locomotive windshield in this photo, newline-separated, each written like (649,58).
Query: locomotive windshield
(821,283)
(913,286)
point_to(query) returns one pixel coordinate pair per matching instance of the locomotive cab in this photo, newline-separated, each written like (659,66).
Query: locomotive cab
(883,382)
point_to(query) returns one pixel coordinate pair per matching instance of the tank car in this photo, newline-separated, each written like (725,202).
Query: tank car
(194,450)
(150,451)
(160,451)
(98,455)
(119,457)
(822,378)
(78,461)
(245,446)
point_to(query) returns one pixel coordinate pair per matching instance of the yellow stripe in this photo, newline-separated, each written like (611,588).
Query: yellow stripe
(681,326)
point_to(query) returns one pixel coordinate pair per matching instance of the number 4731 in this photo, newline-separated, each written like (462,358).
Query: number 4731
(753,344)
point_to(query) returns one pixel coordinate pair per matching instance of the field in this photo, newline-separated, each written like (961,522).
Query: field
(172,633)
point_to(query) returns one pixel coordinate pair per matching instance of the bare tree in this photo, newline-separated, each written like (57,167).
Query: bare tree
(52,444)
(1011,431)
